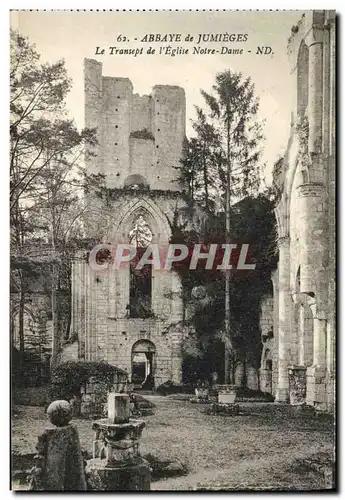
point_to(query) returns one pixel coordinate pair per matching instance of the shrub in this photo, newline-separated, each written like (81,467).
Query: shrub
(169,387)
(68,378)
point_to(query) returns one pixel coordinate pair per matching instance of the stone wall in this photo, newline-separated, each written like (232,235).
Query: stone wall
(306,215)
(140,141)
(37,322)
(119,115)
(106,333)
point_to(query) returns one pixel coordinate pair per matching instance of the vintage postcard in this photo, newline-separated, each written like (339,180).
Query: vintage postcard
(172,283)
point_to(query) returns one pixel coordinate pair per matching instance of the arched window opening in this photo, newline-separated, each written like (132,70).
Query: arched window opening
(140,293)
(302,79)
(136,181)
(140,235)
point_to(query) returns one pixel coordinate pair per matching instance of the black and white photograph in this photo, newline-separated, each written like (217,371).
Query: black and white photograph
(172,298)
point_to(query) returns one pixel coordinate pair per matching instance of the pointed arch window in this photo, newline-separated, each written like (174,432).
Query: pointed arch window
(140,235)
(302,79)
(140,292)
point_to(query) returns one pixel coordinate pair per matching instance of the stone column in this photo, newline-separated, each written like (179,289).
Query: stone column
(299,358)
(87,310)
(114,277)
(239,373)
(313,241)
(275,342)
(176,365)
(176,356)
(313,283)
(331,326)
(316,374)
(252,378)
(301,334)
(315,97)
(282,390)
(320,338)
(73,299)
(177,302)
(333,89)
(326,92)
(265,380)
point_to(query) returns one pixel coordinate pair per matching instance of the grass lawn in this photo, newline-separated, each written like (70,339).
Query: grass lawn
(259,449)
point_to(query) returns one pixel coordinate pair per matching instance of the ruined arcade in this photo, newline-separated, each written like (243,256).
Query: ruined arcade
(301,311)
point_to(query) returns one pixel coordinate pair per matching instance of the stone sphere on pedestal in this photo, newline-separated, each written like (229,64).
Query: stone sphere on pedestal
(60,413)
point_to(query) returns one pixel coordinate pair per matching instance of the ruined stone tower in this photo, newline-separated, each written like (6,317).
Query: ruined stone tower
(131,320)
(138,136)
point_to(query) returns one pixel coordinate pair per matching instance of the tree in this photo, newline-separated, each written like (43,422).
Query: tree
(227,150)
(46,174)
(253,223)
(232,112)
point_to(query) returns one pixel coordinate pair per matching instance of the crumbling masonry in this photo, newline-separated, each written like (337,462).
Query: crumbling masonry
(140,142)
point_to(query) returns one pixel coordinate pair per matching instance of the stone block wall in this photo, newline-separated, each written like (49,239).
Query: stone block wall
(37,325)
(112,337)
(305,215)
(140,141)
(137,135)
(100,298)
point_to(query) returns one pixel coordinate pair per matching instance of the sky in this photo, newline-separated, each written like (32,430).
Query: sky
(74,36)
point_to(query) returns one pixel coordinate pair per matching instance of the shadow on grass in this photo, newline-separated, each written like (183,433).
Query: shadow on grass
(162,469)
(322,465)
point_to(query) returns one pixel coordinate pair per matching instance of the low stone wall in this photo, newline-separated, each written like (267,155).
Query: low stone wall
(94,397)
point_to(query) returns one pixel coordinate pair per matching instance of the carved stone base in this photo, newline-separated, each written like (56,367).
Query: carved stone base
(316,387)
(281,395)
(135,476)
(226,393)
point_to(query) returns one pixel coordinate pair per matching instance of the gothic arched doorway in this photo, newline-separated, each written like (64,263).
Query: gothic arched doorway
(143,364)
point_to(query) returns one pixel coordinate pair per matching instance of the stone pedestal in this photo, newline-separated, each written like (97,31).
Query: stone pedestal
(129,477)
(316,394)
(239,374)
(118,408)
(116,463)
(252,378)
(297,385)
(284,306)
(226,394)
(59,464)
